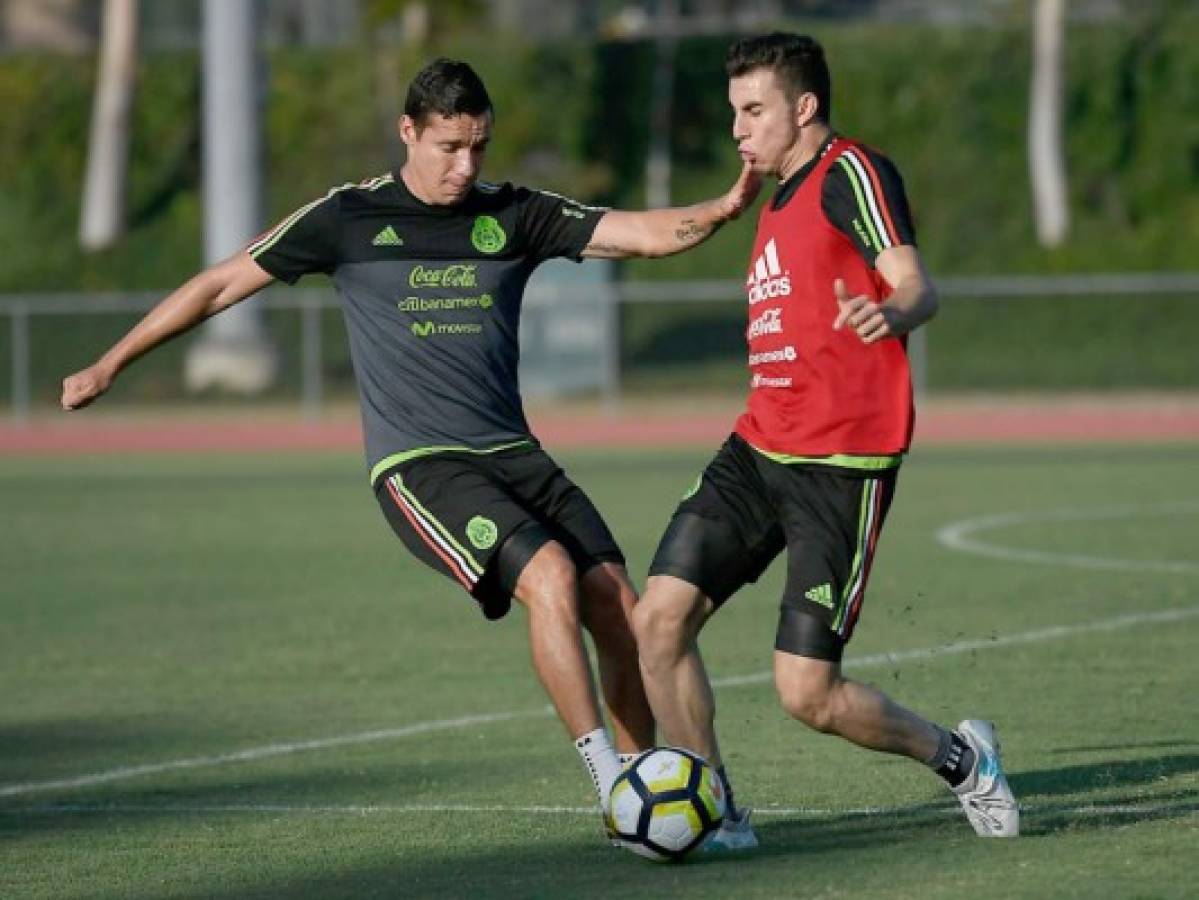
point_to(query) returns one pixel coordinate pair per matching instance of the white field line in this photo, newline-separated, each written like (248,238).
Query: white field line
(953,535)
(959,536)
(268,750)
(271,750)
(946,808)
(1051,633)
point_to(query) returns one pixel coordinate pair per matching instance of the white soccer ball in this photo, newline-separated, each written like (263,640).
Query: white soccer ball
(666,803)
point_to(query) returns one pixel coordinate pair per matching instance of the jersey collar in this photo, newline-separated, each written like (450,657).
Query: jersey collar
(787,189)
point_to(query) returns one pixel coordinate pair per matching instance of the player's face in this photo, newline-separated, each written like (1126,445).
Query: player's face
(445,155)
(765,123)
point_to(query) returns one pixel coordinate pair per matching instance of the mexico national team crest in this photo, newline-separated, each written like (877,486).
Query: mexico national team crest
(482,532)
(487,235)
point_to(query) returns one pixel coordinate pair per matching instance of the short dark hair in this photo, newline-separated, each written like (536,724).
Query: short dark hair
(446,87)
(797,61)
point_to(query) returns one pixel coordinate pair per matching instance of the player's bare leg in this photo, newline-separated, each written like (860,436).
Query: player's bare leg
(667,622)
(816,693)
(548,589)
(608,600)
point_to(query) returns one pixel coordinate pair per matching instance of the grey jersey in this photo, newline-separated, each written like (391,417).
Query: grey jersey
(432,298)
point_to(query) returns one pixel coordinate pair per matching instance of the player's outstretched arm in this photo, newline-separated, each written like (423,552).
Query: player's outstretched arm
(912,302)
(661,232)
(205,295)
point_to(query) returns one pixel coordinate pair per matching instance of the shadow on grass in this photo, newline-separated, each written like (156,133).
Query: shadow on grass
(28,751)
(1117,748)
(283,855)
(1098,776)
(200,796)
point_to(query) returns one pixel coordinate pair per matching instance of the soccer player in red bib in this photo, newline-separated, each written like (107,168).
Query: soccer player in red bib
(835,284)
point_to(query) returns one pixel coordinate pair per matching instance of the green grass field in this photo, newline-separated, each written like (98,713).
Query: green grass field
(223,677)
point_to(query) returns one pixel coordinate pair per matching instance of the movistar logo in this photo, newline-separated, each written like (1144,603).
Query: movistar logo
(388,238)
(487,235)
(822,594)
(445,329)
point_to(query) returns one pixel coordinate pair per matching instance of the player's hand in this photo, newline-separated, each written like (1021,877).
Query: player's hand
(871,321)
(742,194)
(83,387)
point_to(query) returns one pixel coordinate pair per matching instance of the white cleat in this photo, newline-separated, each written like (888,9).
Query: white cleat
(734,834)
(985,796)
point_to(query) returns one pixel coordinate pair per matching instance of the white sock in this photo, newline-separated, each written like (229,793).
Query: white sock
(600,760)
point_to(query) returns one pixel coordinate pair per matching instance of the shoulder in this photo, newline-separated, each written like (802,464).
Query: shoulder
(366,186)
(854,158)
(539,196)
(378,189)
(331,201)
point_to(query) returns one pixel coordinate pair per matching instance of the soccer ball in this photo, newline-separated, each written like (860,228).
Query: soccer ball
(666,803)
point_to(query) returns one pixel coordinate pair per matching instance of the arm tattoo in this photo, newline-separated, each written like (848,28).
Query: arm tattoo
(605,248)
(690,232)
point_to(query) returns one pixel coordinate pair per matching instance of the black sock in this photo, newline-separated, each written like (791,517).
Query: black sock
(954,758)
(728,790)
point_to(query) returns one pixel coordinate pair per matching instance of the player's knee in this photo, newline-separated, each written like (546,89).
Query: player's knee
(608,601)
(661,630)
(549,584)
(812,706)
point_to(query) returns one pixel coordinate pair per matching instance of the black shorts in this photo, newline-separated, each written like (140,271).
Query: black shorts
(746,508)
(454,510)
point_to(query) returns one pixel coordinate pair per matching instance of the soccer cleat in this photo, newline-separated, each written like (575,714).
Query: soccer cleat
(985,796)
(734,834)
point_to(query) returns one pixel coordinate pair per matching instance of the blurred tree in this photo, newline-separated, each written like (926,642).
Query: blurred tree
(234,352)
(64,25)
(424,24)
(658,164)
(105,185)
(402,29)
(1047,162)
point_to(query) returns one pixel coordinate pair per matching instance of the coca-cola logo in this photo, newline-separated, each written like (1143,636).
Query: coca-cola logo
(459,275)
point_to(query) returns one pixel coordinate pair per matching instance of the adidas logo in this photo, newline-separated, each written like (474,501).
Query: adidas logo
(388,238)
(767,278)
(822,594)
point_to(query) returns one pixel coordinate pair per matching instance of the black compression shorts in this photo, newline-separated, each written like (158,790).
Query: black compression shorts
(747,508)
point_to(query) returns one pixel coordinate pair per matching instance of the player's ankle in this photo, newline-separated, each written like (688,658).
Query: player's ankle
(954,759)
(600,760)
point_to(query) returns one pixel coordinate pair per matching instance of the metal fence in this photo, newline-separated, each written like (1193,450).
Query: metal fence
(589,309)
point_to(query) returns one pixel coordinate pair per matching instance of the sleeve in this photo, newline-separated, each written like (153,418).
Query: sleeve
(863,197)
(304,242)
(555,225)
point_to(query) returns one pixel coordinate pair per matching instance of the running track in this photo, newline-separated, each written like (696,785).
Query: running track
(1125,419)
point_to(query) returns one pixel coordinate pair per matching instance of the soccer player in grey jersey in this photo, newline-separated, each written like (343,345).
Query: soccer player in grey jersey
(430,266)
